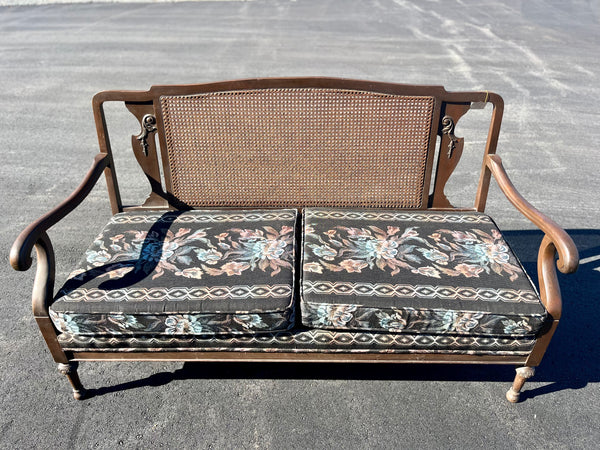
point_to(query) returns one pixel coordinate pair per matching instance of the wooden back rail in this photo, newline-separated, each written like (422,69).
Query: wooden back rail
(146,107)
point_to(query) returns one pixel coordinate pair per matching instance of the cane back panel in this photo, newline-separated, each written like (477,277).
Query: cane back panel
(298,147)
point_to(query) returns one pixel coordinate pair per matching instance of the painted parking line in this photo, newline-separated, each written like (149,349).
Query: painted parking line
(590,259)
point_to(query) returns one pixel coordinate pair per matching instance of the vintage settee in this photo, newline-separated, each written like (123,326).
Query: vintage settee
(299,219)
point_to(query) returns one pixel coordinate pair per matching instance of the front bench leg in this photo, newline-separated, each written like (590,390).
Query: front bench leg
(70,371)
(523,374)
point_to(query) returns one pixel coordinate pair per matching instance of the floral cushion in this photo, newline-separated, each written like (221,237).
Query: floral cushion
(184,273)
(414,272)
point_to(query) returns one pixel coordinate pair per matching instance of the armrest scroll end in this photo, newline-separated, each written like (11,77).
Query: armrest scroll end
(20,259)
(568,263)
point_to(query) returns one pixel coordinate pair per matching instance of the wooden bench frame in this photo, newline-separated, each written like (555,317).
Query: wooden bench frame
(449,108)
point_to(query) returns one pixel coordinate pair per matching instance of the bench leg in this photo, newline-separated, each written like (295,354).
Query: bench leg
(70,371)
(523,374)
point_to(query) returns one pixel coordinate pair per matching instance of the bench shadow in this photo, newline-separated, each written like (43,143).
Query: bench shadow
(570,363)
(142,267)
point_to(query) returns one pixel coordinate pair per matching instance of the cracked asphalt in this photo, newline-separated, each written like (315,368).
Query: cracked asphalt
(541,56)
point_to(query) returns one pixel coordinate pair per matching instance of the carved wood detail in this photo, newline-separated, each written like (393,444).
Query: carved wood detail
(450,151)
(144,149)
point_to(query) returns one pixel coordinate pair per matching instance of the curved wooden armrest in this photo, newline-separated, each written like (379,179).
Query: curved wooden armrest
(568,256)
(20,253)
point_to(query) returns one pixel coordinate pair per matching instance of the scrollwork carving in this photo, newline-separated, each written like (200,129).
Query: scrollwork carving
(148,126)
(448,129)
(67,369)
(526,372)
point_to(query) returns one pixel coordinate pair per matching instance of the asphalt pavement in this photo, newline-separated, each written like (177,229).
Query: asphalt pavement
(541,56)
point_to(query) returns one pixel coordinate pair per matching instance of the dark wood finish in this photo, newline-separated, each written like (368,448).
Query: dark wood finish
(148,159)
(567,251)
(35,236)
(297,357)
(452,102)
(449,108)
(556,240)
(70,371)
(20,253)
(541,345)
(43,292)
(114,195)
(490,149)
(448,160)
(301,83)
(523,374)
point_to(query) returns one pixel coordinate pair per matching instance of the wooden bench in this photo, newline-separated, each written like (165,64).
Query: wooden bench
(299,219)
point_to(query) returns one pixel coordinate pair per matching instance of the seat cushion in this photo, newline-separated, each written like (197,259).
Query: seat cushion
(425,272)
(193,272)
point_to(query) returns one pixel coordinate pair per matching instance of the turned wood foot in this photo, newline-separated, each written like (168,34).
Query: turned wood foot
(70,371)
(523,374)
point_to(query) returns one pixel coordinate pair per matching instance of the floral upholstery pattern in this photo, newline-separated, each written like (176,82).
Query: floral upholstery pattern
(308,341)
(171,324)
(180,273)
(426,271)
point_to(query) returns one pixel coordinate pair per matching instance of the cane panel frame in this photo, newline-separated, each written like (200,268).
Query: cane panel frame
(298,147)
(324,142)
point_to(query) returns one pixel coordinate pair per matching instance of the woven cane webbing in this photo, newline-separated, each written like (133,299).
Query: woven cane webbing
(295,147)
